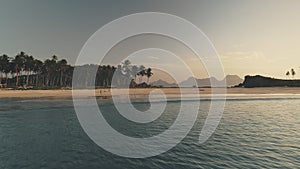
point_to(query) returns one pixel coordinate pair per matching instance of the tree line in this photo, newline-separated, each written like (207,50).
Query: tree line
(25,71)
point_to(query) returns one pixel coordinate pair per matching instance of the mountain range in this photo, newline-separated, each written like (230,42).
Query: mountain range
(231,80)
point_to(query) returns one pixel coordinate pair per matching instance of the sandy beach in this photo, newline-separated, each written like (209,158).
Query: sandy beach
(167,91)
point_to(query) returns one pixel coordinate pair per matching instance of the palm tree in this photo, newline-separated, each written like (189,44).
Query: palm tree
(1,69)
(104,76)
(54,58)
(62,64)
(28,67)
(12,69)
(134,71)
(37,68)
(141,72)
(5,60)
(69,75)
(109,74)
(288,74)
(2,66)
(149,74)
(126,63)
(293,72)
(48,70)
(127,71)
(55,72)
(52,72)
(118,75)
(18,65)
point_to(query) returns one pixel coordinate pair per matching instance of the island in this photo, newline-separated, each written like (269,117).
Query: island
(261,81)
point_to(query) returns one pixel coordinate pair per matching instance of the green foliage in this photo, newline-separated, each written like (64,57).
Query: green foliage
(26,72)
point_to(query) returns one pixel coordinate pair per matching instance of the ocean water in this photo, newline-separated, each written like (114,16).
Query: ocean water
(255,132)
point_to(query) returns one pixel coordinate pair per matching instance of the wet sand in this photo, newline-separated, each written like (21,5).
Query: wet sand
(168,91)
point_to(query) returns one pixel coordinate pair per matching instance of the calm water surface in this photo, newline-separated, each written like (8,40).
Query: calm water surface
(255,132)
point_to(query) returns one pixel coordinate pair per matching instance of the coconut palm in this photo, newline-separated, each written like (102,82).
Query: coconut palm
(1,70)
(287,73)
(49,68)
(37,68)
(134,71)
(118,75)
(293,72)
(127,69)
(62,65)
(28,66)
(148,74)
(52,72)
(5,62)
(141,73)
(110,73)
(68,75)
(18,65)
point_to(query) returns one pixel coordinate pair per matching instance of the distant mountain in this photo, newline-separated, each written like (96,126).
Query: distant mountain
(192,81)
(231,80)
(162,83)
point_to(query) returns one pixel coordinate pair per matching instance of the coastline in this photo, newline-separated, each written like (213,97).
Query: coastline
(105,92)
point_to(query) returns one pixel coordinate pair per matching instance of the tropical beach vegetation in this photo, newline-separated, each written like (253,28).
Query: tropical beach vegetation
(25,71)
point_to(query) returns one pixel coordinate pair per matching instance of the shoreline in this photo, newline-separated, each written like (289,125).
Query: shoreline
(106,92)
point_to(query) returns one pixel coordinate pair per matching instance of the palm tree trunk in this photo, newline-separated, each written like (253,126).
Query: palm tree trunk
(17,79)
(6,76)
(61,78)
(1,77)
(37,80)
(27,79)
(47,81)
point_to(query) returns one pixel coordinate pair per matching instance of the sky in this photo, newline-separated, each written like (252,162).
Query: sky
(251,36)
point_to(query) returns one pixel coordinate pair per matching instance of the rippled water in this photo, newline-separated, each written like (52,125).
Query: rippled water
(255,132)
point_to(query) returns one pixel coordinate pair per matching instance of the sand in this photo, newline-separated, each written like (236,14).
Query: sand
(134,92)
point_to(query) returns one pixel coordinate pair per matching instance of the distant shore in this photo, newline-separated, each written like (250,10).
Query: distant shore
(140,92)
(262,81)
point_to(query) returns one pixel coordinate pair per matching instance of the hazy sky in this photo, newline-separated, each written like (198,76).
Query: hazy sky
(251,36)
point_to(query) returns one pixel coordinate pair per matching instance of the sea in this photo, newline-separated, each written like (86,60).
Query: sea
(256,131)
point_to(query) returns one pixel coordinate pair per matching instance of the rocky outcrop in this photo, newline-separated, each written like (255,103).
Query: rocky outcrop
(261,81)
